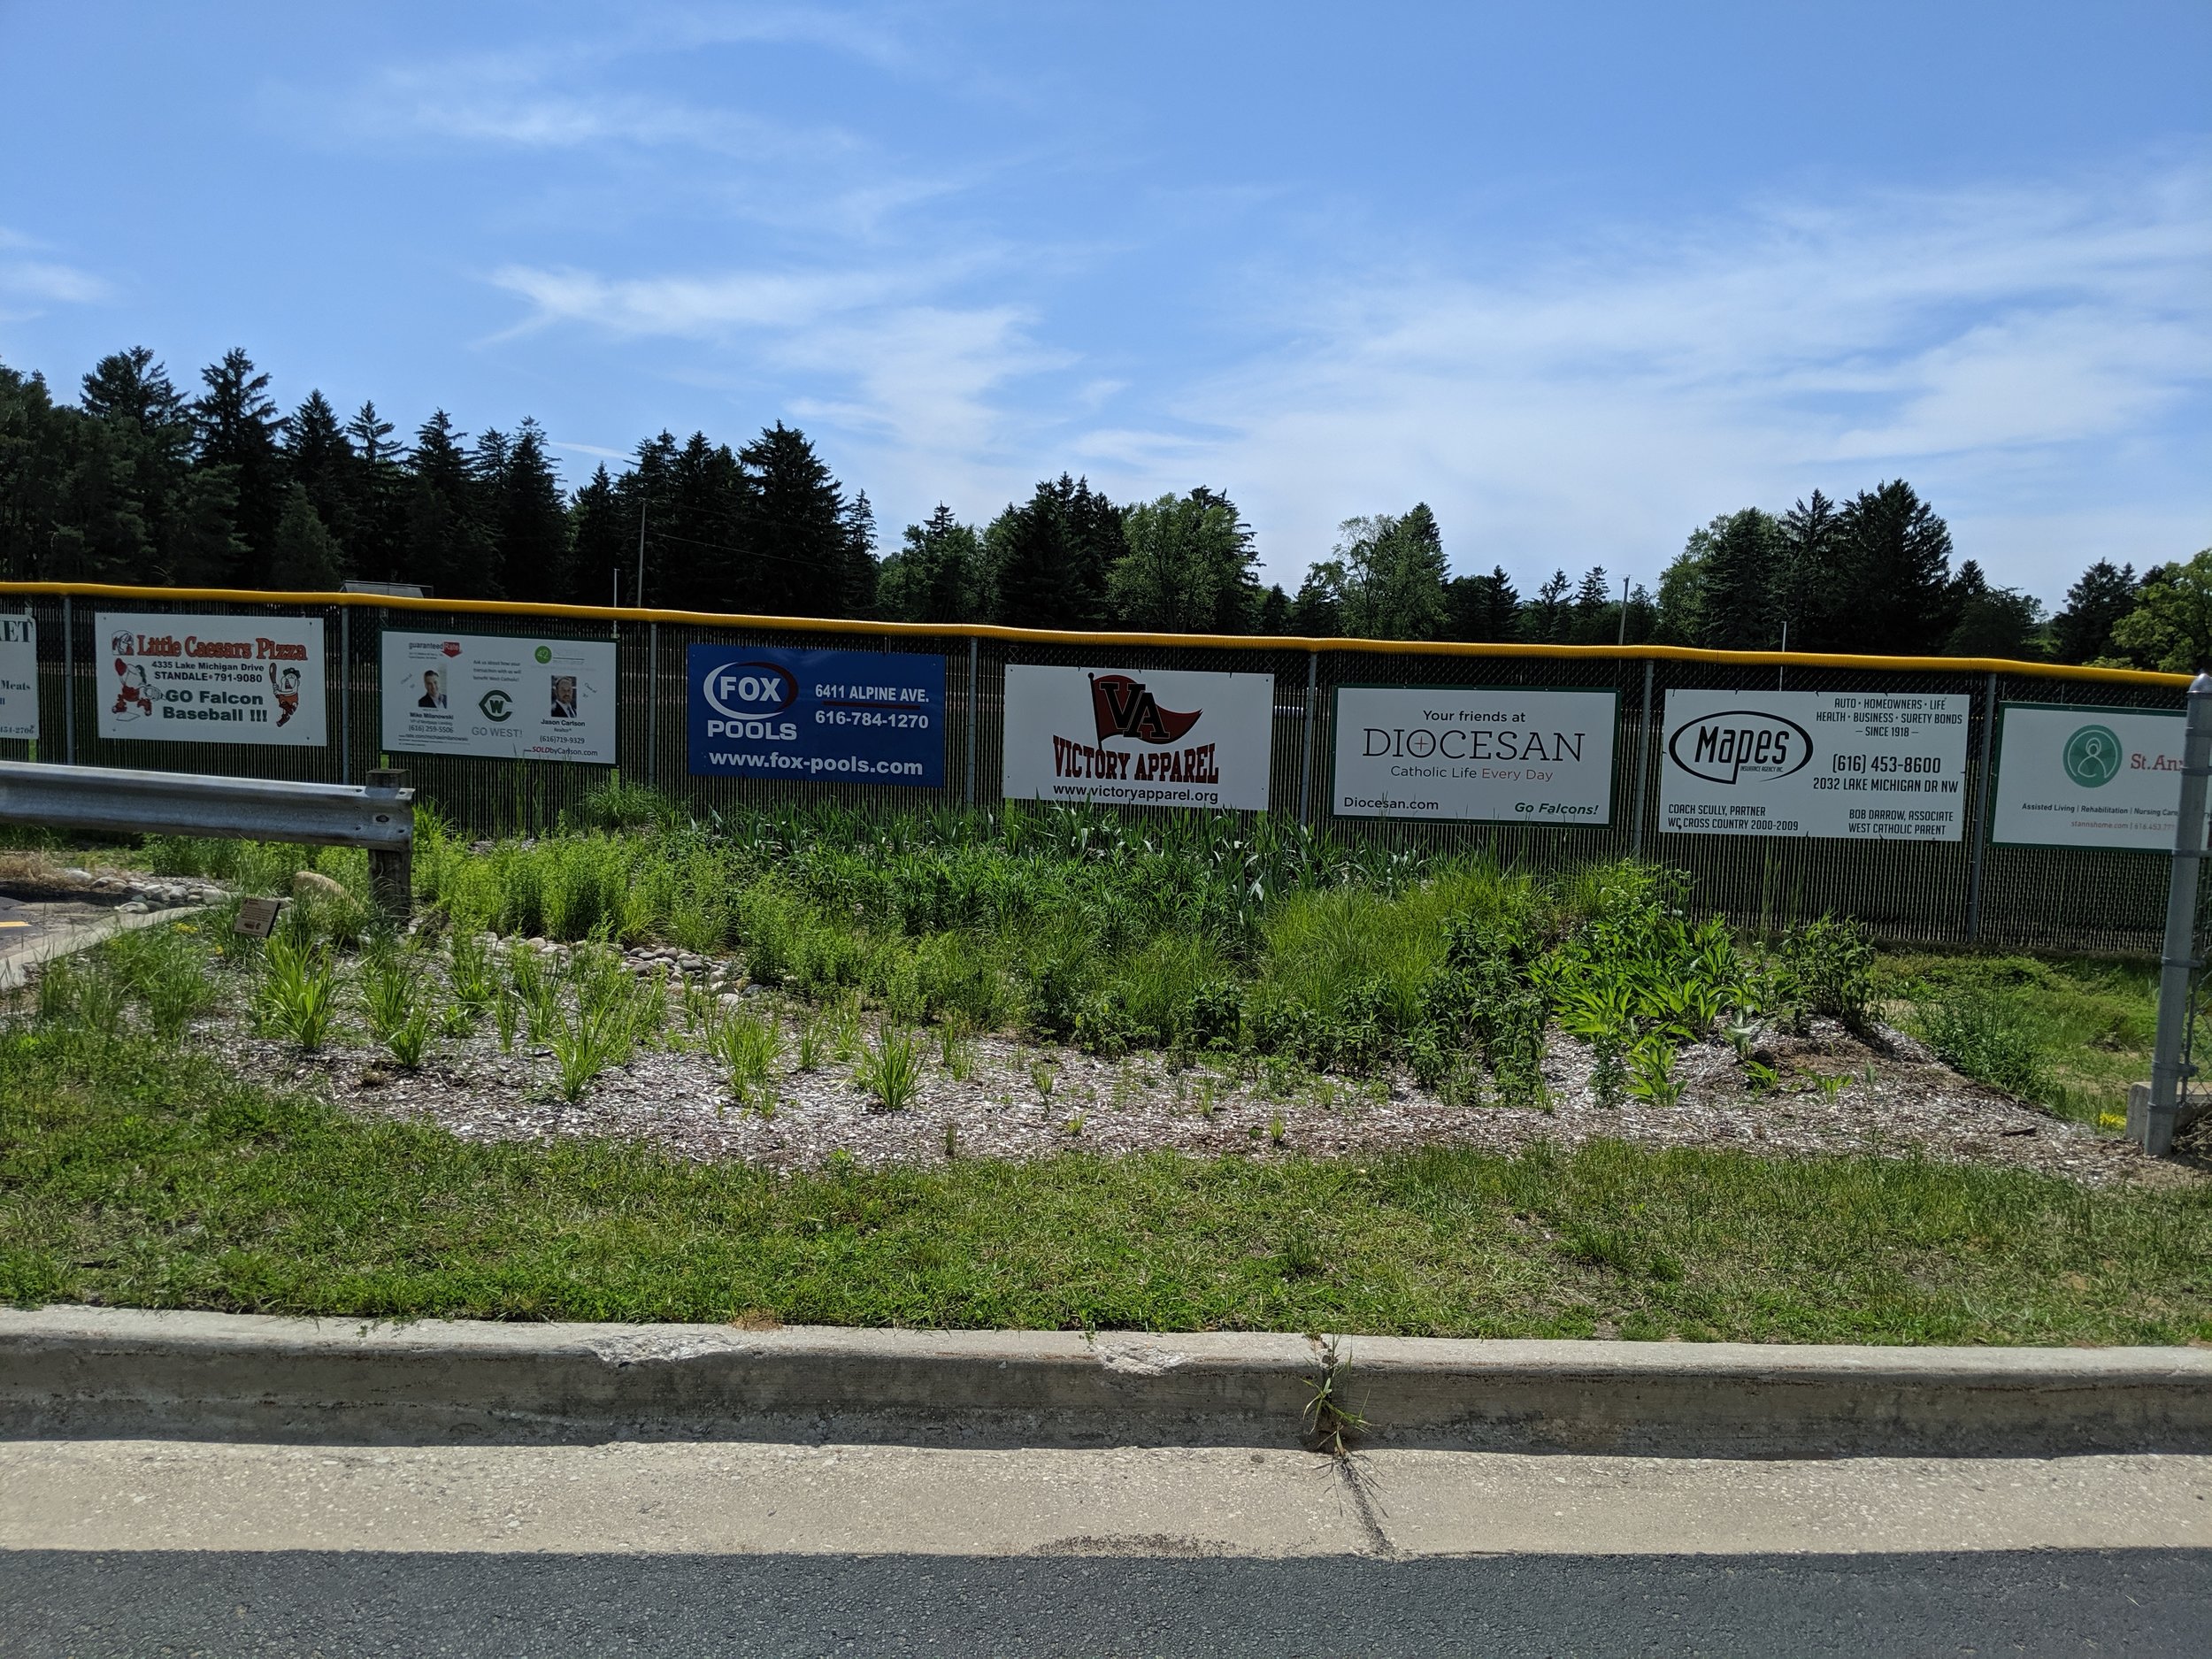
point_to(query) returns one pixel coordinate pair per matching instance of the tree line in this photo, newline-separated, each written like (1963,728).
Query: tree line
(139,482)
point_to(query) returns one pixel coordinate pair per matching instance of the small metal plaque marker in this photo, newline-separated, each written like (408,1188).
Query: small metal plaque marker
(257,917)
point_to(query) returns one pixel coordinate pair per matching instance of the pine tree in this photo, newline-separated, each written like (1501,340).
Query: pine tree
(1318,612)
(319,458)
(1050,557)
(1544,619)
(1483,607)
(937,575)
(1742,556)
(1807,582)
(445,550)
(1274,612)
(236,425)
(375,506)
(1596,618)
(2082,632)
(800,533)
(602,531)
(530,520)
(1894,591)
(307,559)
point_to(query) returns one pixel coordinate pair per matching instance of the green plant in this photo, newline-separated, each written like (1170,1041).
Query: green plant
(536,989)
(956,1048)
(1761,1078)
(1330,1422)
(471,972)
(890,1068)
(297,998)
(1074,1125)
(1651,1073)
(1832,964)
(813,1041)
(1989,1038)
(166,969)
(1040,1077)
(506,1016)
(587,1042)
(747,1047)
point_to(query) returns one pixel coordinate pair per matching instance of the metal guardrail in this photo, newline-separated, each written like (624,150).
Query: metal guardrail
(380,816)
(173,803)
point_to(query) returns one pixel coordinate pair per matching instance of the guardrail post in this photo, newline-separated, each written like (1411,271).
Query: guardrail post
(391,872)
(2168,1072)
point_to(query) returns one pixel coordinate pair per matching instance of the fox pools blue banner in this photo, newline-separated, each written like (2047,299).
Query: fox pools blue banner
(835,717)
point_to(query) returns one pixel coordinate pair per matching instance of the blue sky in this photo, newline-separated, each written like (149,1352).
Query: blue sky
(1579,276)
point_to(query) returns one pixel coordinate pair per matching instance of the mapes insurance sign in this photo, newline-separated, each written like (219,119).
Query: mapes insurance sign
(1848,764)
(1138,737)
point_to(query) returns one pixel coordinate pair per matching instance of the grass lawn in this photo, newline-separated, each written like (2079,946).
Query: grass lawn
(137,1171)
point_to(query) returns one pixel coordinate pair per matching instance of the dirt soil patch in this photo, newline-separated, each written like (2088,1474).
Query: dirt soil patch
(1023,1100)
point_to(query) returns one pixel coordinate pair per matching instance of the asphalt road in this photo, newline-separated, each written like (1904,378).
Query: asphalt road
(92,1605)
(153,1547)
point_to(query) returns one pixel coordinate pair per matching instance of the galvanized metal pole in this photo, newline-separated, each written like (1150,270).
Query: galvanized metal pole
(652,703)
(345,693)
(1981,816)
(1305,756)
(974,655)
(2179,959)
(68,684)
(1643,761)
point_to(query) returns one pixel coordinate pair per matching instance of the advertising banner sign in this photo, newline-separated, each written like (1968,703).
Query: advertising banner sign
(18,677)
(508,698)
(1138,737)
(212,680)
(825,716)
(2082,776)
(1507,756)
(1846,765)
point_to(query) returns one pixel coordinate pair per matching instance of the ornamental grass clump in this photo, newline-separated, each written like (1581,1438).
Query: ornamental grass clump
(890,1068)
(297,998)
(748,1047)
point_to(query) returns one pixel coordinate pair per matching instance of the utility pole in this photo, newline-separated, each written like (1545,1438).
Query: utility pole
(638,594)
(1623,639)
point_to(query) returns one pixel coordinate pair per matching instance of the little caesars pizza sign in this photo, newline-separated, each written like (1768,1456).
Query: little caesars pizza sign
(1851,766)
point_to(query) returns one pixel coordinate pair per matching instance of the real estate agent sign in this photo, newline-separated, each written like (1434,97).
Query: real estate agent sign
(819,717)
(512,699)
(1851,766)
(18,677)
(211,680)
(1506,756)
(2080,777)
(1137,737)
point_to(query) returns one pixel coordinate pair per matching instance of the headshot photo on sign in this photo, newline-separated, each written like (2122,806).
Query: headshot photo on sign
(564,697)
(432,690)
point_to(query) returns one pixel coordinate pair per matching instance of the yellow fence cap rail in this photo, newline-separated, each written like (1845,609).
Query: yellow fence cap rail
(602,614)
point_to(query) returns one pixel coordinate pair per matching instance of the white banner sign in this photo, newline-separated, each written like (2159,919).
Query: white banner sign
(1138,738)
(1511,756)
(2078,777)
(1849,764)
(513,698)
(19,676)
(212,680)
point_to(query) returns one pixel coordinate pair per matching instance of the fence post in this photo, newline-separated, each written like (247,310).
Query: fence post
(345,693)
(1981,816)
(2168,1072)
(68,684)
(392,873)
(1305,757)
(652,700)
(974,653)
(1643,764)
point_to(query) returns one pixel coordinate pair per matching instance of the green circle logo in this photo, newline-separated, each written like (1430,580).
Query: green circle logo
(497,705)
(2093,757)
(545,653)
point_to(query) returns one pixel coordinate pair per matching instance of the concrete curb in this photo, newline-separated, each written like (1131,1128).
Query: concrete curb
(89,1371)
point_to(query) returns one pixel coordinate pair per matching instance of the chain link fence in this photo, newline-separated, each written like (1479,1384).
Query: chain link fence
(1961,892)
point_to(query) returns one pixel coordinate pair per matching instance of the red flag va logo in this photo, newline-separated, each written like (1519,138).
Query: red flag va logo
(1123,707)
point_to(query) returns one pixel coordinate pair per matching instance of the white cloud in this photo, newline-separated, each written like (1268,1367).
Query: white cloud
(1593,408)
(29,285)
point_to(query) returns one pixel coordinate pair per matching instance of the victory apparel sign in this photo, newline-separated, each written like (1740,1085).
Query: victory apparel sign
(212,680)
(18,677)
(1139,738)
(1445,752)
(1851,766)
(514,699)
